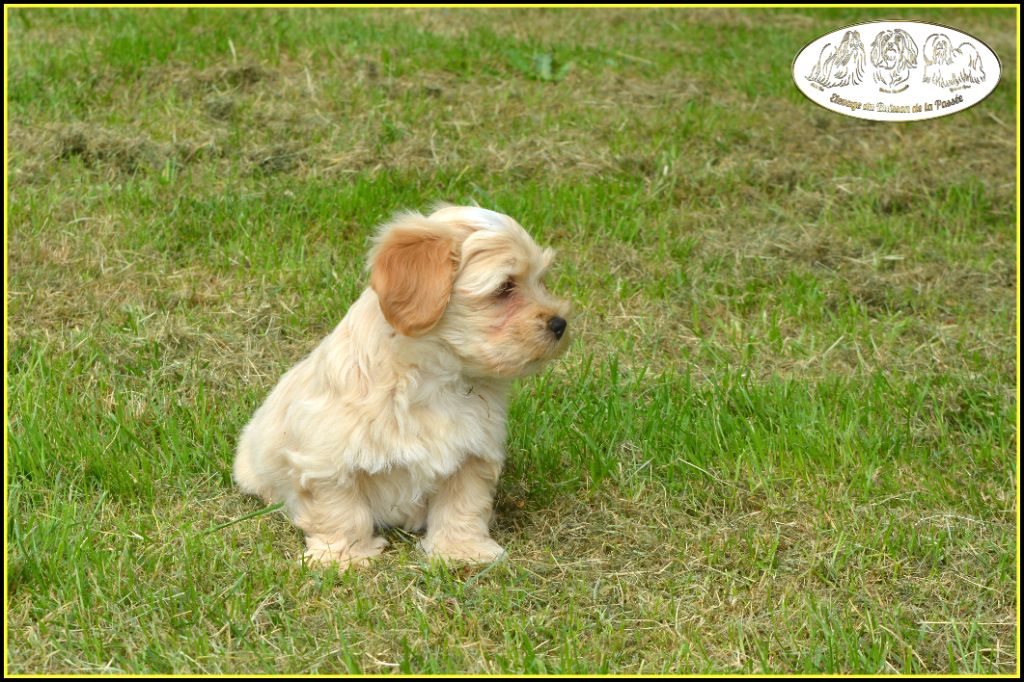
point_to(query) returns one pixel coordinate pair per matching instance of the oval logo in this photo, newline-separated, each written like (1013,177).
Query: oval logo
(896,71)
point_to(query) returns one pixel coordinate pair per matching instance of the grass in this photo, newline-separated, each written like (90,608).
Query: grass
(784,439)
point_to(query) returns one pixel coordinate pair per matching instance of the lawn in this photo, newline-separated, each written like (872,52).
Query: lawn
(784,437)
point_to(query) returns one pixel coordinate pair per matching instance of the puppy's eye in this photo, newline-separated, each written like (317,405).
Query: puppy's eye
(506,289)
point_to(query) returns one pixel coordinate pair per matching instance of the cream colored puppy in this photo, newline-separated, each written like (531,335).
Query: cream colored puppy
(397,418)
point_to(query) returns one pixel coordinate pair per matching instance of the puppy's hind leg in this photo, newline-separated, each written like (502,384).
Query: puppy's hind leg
(339,523)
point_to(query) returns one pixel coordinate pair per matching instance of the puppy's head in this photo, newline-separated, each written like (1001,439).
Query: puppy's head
(473,279)
(894,50)
(938,49)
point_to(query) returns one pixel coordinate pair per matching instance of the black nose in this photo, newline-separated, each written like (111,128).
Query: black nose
(557,325)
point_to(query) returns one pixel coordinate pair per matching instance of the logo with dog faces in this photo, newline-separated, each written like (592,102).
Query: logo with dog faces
(896,71)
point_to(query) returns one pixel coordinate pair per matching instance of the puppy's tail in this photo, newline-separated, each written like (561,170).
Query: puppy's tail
(244,471)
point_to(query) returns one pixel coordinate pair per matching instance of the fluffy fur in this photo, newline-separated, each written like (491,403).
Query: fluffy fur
(894,54)
(840,66)
(397,418)
(950,67)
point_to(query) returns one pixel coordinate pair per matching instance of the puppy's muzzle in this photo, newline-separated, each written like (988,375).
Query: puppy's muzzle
(557,326)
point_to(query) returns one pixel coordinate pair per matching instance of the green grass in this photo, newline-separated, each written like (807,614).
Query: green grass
(783,439)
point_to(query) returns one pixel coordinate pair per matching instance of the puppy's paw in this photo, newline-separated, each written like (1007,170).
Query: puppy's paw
(323,553)
(471,550)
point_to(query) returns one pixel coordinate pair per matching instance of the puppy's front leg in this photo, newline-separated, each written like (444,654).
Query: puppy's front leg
(339,526)
(459,512)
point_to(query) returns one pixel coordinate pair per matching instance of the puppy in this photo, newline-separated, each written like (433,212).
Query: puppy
(948,66)
(840,66)
(894,55)
(397,418)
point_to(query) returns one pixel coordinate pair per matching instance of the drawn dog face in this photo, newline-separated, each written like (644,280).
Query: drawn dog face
(893,54)
(474,280)
(937,50)
(849,60)
(851,44)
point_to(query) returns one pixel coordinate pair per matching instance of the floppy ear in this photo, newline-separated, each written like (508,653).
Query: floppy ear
(876,47)
(412,269)
(909,51)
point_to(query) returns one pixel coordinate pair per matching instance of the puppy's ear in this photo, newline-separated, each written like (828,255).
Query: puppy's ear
(909,49)
(876,47)
(412,269)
